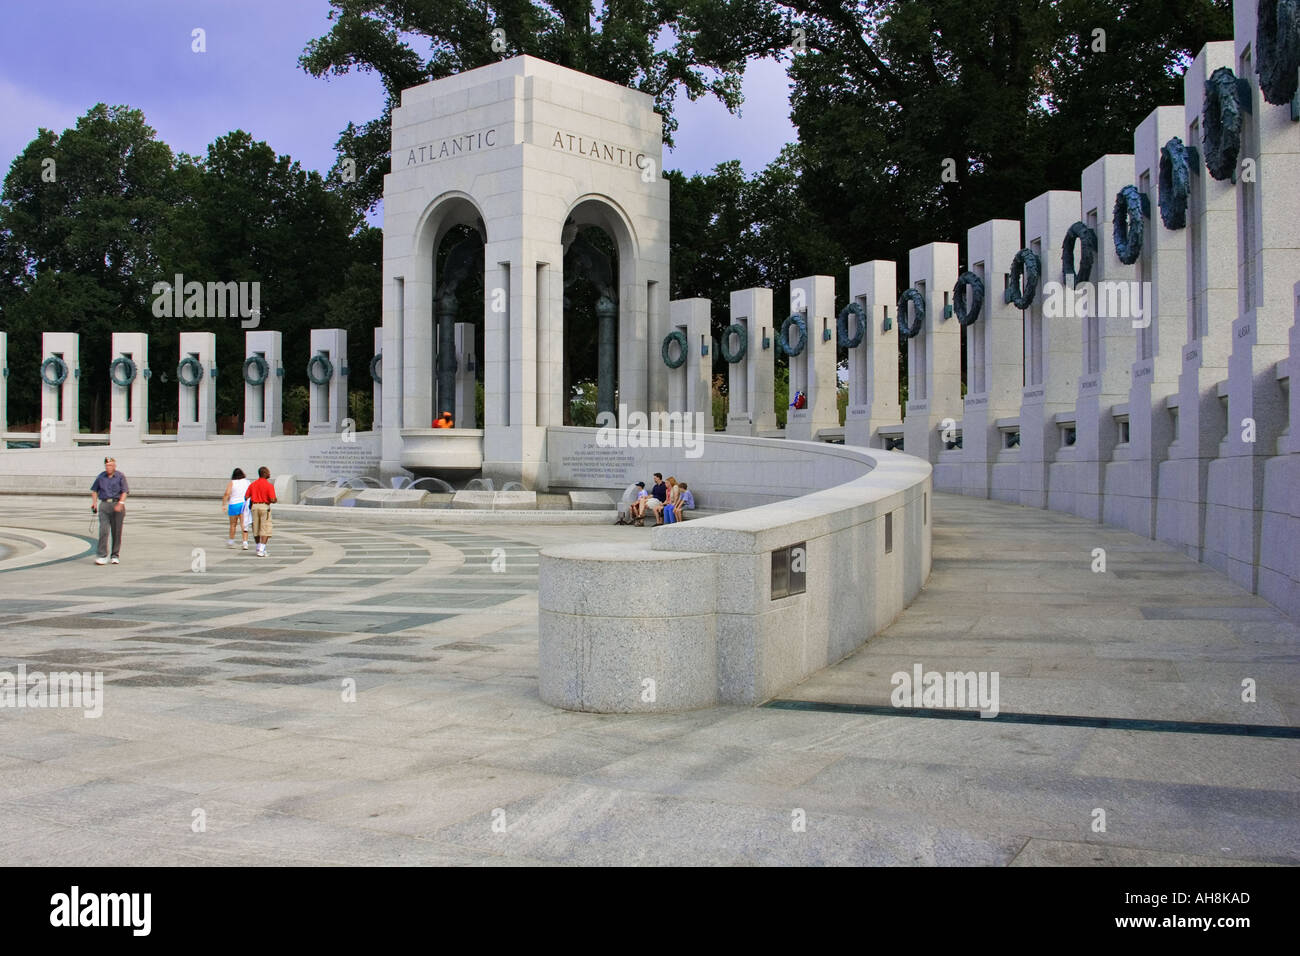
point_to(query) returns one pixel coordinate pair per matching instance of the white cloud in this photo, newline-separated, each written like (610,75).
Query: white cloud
(25,111)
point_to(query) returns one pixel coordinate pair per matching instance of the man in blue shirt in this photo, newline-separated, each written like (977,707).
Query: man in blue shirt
(658,497)
(110,490)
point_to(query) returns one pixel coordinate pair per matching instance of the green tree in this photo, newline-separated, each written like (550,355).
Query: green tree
(246,214)
(79,217)
(730,233)
(1012,97)
(87,236)
(357,306)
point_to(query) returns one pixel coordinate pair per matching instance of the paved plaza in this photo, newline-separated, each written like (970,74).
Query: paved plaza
(229,736)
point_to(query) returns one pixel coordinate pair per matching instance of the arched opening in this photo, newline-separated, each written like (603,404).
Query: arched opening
(442,330)
(458,328)
(590,376)
(600,342)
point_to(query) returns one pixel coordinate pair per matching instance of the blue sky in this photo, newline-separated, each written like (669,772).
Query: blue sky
(60,57)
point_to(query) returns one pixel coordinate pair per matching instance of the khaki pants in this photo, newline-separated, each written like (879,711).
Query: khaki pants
(261,521)
(110,524)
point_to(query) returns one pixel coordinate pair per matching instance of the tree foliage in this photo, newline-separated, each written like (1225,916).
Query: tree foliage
(84,241)
(1020,96)
(660,47)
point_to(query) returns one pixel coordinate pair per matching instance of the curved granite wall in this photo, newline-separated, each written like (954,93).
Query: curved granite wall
(693,621)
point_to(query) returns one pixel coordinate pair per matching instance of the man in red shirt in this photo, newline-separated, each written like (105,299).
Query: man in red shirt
(261,494)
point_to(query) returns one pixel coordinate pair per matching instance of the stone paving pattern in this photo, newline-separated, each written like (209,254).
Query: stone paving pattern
(224,692)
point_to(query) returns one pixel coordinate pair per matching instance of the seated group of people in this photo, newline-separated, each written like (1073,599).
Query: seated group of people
(668,500)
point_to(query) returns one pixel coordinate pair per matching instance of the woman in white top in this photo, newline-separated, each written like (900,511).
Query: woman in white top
(235,505)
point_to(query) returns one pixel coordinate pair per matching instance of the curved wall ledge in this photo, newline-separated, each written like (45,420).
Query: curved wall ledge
(692,621)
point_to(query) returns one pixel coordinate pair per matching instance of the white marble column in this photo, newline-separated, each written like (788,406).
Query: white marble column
(1131,485)
(1197,417)
(466,381)
(934,354)
(264,404)
(418,342)
(750,408)
(60,413)
(1052,346)
(515,443)
(4,390)
(1268,250)
(813,370)
(129,404)
(994,370)
(1107,334)
(689,385)
(197,403)
(328,404)
(1279,558)
(394,366)
(377,384)
(873,364)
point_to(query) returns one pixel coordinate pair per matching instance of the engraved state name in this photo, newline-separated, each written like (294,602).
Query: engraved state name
(600,150)
(478,140)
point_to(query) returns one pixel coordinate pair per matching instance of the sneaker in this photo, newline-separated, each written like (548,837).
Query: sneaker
(116,560)
(230,542)
(245,545)
(101,560)
(259,554)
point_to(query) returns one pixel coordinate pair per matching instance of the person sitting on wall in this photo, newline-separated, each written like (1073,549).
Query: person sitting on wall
(658,498)
(638,505)
(443,421)
(685,502)
(800,400)
(674,496)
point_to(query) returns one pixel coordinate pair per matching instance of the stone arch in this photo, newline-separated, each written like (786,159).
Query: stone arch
(605,213)
(443,213)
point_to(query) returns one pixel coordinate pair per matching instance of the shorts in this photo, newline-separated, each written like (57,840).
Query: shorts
(234,510)
(653,502)
(261,521)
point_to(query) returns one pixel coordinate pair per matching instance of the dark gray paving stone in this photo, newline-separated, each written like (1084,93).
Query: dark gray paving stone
(341,621)
(255,646)
(193,580)
(119,592)
(380,656)
(436,599)
(267,661)
(283,678)
(157,680)
(74,656)
(325,584)
(164,639)
(273,634)
(237,600)
(181,611)
(89,622)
